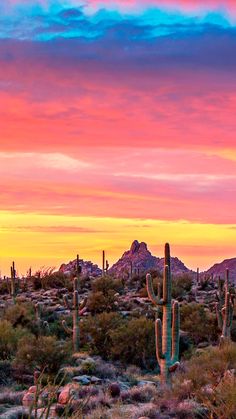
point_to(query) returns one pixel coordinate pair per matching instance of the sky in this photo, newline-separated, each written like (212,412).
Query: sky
(117,122)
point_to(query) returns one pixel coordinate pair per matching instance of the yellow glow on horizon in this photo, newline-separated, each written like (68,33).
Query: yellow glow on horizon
(48,240)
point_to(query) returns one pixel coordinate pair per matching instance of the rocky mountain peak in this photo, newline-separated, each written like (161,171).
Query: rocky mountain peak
(137,247)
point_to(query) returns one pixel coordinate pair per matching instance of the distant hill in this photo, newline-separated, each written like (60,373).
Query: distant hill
(142,261)
(219,269)
(88,268)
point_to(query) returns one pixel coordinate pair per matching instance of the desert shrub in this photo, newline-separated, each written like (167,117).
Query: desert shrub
(4,286)
(5,371)
(105,284)
(180,285)
(9,338)
(220,401)
(142,394)
(46,279)
(20,314)
(45,353)
(198,322)
(204,370)
(134,342)
(98,331)
(99,302)
(55,280)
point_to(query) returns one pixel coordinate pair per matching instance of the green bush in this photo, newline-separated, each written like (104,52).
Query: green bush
(106,284)
(4,286)
(9,339)
(20,314)
(180,285)
(98,330)
(98,302)
(199,322)
(134,342)
(45,353)
(47,279)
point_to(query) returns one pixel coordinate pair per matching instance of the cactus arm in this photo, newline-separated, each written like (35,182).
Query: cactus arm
(66,328)
(83,303)
(173,367)
(158,333)
(155,299)
(66,302)
(175,331)
(219,316)
(38,311)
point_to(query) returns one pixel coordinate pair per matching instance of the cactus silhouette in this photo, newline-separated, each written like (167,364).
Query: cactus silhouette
(167,331)
(224,308)
(13,282)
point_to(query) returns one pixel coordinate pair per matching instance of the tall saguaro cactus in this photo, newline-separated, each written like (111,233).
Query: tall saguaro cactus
(103,262)
(224,308)
(75,309)
(167,330)
(13,282)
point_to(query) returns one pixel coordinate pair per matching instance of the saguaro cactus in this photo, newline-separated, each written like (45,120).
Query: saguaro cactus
(197,276)
(13,282)
(103,262)
(42,324)
(224,308)
(167,331)
(75,308)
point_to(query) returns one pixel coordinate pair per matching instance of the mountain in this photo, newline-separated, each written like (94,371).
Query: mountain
(140,257)
(141,260)
(219,269)
(88,268)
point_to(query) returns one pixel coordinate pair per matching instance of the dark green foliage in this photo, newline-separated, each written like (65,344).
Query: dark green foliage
(99,303)
(199,322)
(21,314)
(134,342)
(9,339)
(112,337)
(103,296)
(98,330)
(47,279)
(45,353)
(181,284)
(106,284)
(4,287)
(5,372)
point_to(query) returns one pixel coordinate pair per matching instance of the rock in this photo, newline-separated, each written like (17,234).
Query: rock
(95,380)
(202,345)
(88,268)
(28,399)
(146,382)
(82,379)
(66,394)
(114,390)
(32,389)
(15,412)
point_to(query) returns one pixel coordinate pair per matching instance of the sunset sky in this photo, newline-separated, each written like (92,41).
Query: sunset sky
(117,122)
